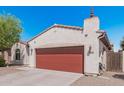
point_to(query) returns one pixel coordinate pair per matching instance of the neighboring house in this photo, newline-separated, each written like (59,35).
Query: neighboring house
(7,55)
(66,48)
(19,53)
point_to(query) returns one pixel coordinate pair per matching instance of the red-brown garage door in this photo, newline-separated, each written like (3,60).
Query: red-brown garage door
(69,59)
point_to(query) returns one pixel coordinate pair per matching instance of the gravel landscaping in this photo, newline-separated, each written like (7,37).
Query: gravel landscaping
(107,79)
(9,70)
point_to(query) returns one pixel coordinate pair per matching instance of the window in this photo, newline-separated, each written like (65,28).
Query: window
(17,54)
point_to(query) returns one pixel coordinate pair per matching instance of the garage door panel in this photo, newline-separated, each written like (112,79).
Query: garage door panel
(61,50)
(72,62)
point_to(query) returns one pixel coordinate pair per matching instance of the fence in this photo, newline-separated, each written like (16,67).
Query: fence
(114,61)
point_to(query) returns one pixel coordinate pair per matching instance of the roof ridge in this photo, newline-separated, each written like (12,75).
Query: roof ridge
(67,25)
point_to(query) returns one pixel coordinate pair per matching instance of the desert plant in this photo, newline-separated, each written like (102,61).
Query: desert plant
(2,62)
(10,29)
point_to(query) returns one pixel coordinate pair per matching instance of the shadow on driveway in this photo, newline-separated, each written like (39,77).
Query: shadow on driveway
(119,76)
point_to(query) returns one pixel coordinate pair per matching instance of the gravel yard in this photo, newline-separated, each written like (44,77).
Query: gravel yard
(9,70)
(107,79)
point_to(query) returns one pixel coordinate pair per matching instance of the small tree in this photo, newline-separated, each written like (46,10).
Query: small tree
(122,43)
(10,29)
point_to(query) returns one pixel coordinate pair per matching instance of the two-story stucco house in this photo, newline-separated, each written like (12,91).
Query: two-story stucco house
(65,48)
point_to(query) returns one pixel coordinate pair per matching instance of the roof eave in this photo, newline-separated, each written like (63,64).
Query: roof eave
(105,40)
(57,25)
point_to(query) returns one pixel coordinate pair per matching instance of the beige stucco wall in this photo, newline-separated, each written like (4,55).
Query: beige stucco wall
(92,24)
(91,53)
(6,57)
(23,54)
(103,54)
(91,43)
(58,37)
(55,37)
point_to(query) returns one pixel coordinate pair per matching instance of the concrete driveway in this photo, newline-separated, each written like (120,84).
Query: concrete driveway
(23,76)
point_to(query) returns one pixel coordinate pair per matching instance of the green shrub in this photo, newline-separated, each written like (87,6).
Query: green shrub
(2,62)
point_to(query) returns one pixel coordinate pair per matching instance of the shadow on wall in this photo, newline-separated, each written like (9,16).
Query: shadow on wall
(119,76)
(13,59)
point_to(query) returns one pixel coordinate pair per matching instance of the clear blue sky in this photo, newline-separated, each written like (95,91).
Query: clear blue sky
(36,19)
